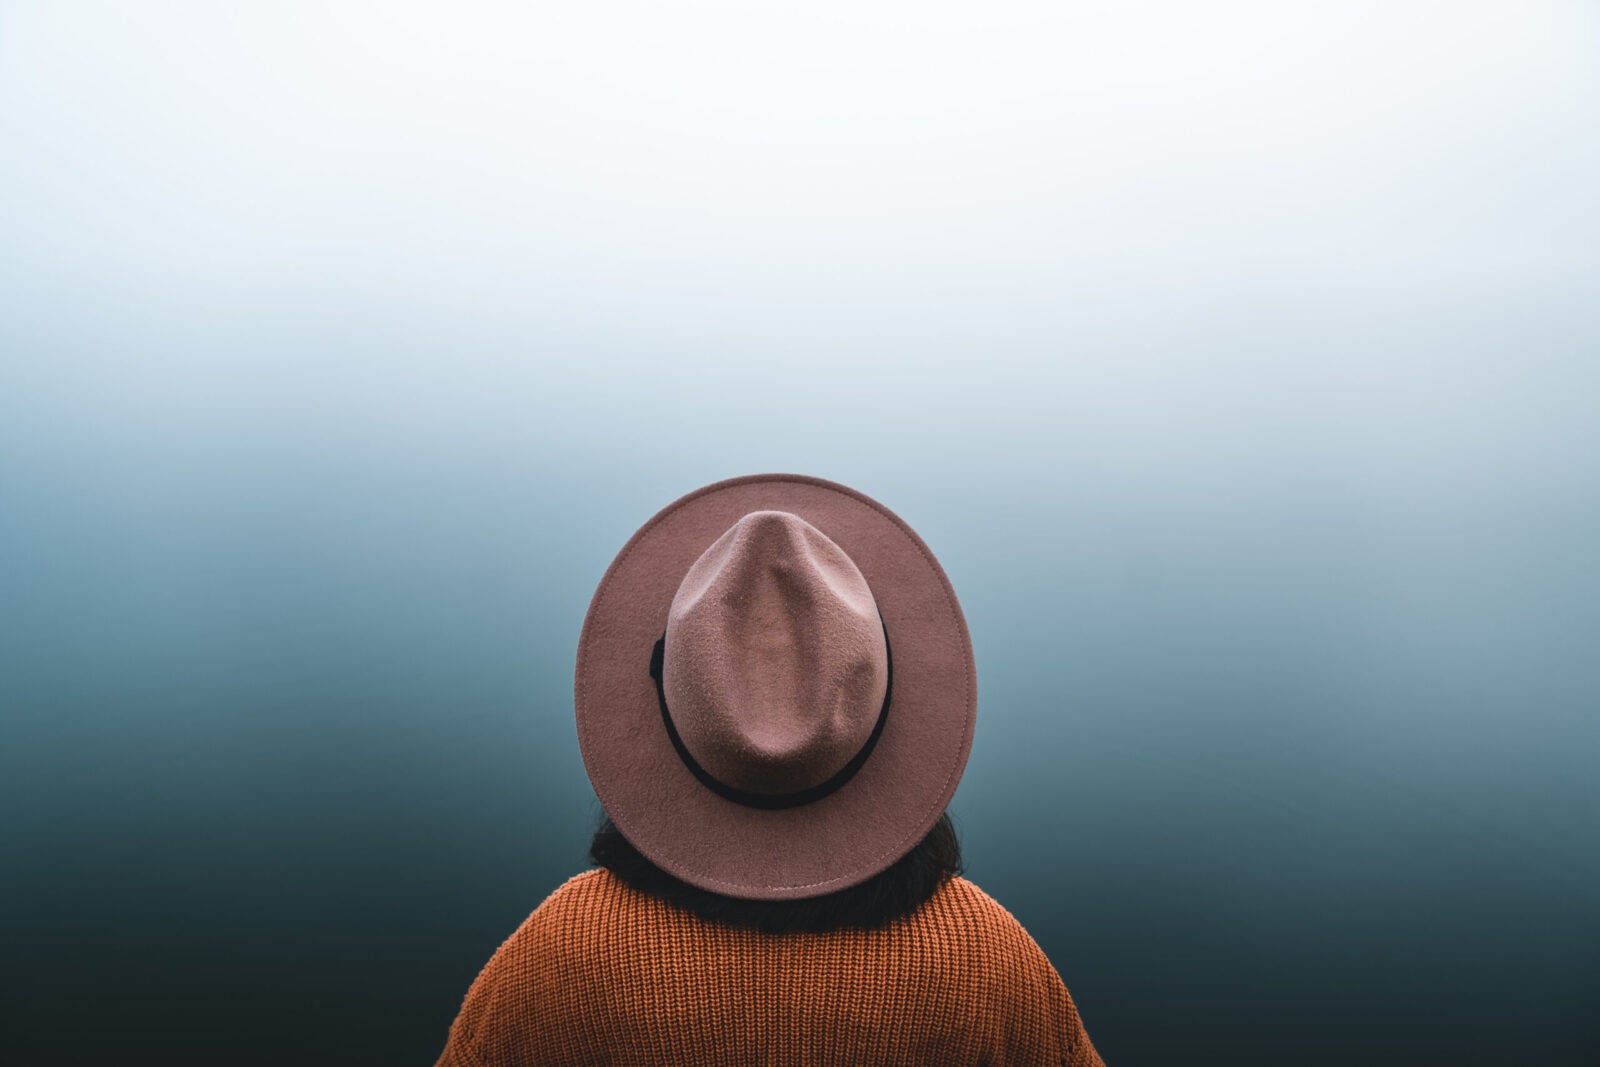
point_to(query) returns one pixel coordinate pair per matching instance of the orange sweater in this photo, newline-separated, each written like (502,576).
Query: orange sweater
(600,973)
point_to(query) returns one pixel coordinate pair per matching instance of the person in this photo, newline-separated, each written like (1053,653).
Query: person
(775,699)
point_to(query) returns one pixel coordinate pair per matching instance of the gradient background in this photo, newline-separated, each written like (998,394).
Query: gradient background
(1239,361)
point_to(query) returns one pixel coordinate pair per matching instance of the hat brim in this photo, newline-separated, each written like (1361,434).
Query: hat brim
(829,844)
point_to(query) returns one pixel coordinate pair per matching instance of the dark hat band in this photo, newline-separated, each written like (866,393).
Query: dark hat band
(771,801)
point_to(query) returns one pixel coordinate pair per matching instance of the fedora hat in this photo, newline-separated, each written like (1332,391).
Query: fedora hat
(775,691)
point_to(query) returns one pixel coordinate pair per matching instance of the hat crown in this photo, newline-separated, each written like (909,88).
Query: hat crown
(775,666)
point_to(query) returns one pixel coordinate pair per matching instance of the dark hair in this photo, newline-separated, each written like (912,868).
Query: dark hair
(889,895)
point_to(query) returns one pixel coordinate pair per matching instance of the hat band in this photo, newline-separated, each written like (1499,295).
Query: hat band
(771,801)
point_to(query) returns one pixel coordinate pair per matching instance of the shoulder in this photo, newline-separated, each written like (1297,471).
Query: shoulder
(549,927)
(1026,992)
(583,903)
(966,903)
(1006,951)
(970,899)
(578,894)
(531,967)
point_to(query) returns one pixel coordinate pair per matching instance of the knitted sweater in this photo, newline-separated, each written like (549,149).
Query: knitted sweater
(600,973)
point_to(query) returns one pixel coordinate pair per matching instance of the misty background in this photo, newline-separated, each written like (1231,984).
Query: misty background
(1239,362)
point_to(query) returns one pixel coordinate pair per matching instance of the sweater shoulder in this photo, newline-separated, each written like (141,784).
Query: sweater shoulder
(1006,943)
(552,924)
(572,903)
(579,891)
(1025,987)
(972,904)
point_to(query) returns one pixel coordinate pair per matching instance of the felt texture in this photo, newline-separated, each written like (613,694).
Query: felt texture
(910,776)
(601,973)
(775,666)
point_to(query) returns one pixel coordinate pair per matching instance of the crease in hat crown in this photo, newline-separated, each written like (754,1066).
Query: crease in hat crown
(659,794)
(775,667)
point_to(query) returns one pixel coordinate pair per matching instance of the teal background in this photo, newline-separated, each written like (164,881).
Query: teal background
(1238,362)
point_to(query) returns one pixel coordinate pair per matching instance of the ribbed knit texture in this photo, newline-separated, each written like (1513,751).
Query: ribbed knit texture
(601,973)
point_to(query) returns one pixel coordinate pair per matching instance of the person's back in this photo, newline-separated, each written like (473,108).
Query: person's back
(602,973)
(775,698)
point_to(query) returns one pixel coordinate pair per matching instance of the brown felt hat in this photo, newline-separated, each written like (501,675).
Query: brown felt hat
(775,690)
